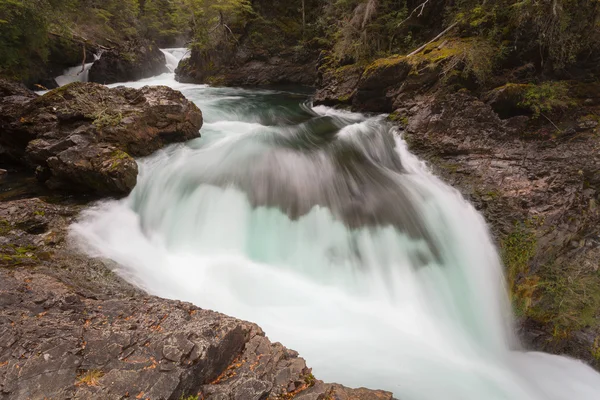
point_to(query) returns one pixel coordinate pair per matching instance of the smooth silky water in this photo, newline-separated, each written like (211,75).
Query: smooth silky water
(320,226)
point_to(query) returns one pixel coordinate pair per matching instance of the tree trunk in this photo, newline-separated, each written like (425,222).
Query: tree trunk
(303,18)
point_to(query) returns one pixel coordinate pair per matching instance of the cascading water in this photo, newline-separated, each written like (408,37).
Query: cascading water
(173,56)
(76,73)
(320,226)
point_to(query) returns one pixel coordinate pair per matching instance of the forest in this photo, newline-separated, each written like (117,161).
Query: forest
(552,34)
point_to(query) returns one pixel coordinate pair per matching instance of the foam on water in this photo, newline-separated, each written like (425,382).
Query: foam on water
(320,226)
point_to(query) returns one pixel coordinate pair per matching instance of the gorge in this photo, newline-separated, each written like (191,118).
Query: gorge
(396,195)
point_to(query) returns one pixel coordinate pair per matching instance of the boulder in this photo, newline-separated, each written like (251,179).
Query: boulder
(128,64)
(82,137)
(13,98)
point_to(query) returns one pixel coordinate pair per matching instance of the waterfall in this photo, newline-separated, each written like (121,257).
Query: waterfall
(174,56)
(322,227)
(77,73)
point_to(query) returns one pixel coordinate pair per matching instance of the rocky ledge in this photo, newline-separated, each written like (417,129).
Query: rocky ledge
(71,328)
(82,137)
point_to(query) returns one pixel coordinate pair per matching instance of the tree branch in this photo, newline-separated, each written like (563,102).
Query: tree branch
(433,40)
(421,6)
(83,62)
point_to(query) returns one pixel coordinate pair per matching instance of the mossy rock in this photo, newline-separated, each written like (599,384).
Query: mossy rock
(507,100)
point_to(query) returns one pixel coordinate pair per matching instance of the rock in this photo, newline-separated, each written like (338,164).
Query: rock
(392,82)
(82,137)
(337,86)
(132,62)
(13,98)
(281,69)
(70,328)
(507,100)
(538,193)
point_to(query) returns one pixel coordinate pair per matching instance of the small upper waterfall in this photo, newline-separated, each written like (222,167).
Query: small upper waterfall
(81,73)
(174,56)
(77,73)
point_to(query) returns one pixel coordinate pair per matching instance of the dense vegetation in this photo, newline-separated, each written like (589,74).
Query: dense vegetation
(552,34)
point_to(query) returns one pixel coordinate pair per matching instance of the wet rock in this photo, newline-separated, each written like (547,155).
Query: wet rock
(82,137)
(337,86)
(131,62)
(273,70)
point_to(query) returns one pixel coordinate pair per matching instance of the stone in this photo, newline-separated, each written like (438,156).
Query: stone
(82,137)
(130,62)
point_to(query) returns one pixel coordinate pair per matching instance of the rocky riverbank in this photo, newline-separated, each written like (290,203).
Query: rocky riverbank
(69,326)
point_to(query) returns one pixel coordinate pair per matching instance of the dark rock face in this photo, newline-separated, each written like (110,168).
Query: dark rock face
(70,328)
(244,67)
(130,63)
(13,98)
(63,53)
(82,137)
(539,193)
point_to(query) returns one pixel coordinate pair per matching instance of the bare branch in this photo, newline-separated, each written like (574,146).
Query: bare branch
(420,6)
(433,40)
(83,61)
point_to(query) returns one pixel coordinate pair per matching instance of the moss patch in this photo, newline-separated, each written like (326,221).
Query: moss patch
(568,298)
(382,64)
(517,250)
(12,255)
(547,98)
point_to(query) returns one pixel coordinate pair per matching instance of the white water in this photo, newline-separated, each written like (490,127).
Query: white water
(74,74)
(173,56)
(377,273)
(79,74)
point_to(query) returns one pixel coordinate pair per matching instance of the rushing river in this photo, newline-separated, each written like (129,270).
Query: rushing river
(320,226)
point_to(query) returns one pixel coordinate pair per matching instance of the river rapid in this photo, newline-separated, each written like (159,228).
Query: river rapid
(320,226)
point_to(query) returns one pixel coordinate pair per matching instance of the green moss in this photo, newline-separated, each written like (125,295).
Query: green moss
(547,97)
(595,350)
(568,298)
(5,227)
(383,63)
(215,80)
(398,118)
(12,255)
(106,118)
(310,379)
(184,397)
(517,250)
(118,157)
(436,52)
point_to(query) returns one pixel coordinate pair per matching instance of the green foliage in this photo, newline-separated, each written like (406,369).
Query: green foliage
(517,250)
(22,36)
(569,298)
(183,397)
(547,97)
(369,29)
